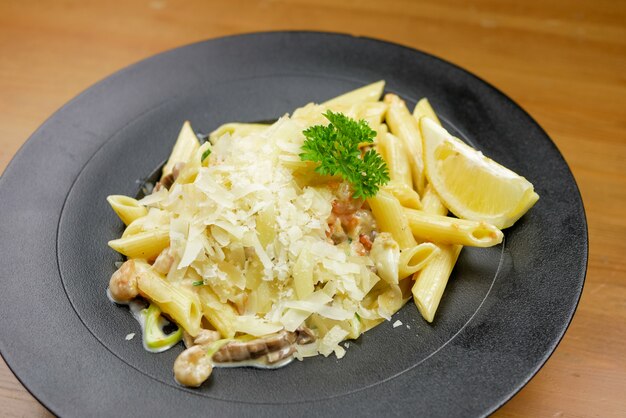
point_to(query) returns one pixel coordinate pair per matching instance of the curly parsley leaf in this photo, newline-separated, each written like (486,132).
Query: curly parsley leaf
(336,150)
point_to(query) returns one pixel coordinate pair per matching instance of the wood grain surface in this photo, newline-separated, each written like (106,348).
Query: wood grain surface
(563,61)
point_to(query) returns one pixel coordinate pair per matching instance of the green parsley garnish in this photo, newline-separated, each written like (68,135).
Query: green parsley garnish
(205,154)
(336,148)
(198,283)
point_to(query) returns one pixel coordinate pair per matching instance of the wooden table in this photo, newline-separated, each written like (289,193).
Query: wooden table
(563,61)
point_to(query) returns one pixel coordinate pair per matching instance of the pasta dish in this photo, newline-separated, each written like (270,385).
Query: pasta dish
(264,243)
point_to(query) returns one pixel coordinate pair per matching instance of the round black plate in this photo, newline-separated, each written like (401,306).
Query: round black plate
(504,312)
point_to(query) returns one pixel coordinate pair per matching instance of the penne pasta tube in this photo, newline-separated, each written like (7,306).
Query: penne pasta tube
(184,148)
(403,125)
(431,203)
(147,245)
(134,228)
(372,112)
(415,258)
(447,230)
(406,195)
(220,315)
(127,208)
(431,281)
(424,109)
(396,158)
(391,218)
(155,219)
(381,130)
(237,130)
(368,93)
(182,305)
(189,171)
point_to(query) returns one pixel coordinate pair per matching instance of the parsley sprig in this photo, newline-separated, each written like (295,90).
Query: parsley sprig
(336,148)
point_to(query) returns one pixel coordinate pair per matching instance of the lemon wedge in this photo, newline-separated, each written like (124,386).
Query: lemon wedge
(471,185)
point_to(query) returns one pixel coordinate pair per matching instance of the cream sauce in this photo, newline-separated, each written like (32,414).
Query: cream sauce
(259,363)
(136,306)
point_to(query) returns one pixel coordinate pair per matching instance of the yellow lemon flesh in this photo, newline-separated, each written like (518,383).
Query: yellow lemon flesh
(471,185)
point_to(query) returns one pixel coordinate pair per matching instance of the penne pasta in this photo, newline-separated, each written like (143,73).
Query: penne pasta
(220,315)
(424,109)
(431,202)
(190,170)
(181,305)
(447,230)
(431,281)
(184,148)
(406,195)
(368,93)
(127,208)
(372,112)
(237,130)
(415,258)
(403,125)
(144,245)
(155,219)
(396,158)
(391,218)
(381,131)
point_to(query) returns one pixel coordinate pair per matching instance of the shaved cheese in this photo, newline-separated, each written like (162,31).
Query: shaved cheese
(339,352)
(341,268)
(293,318)
(235,230)
(334,312)
(253,325)
(154,198)
(328,251)
(312,303)
(303,351)
(192,249)
(253,241)
(331,340)
(221,236)
(251,225)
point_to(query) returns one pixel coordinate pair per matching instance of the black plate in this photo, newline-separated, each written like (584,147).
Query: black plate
(504,312)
